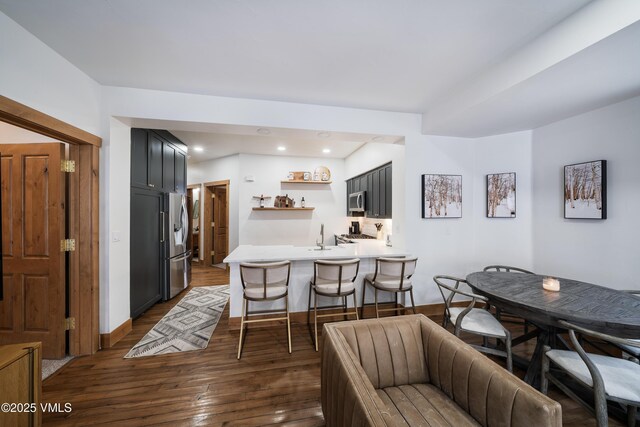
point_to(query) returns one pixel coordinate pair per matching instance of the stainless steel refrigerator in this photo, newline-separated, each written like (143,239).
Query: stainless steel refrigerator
(178,259)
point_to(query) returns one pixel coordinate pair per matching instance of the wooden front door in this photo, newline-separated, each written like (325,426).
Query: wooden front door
(33,224)
(221,224)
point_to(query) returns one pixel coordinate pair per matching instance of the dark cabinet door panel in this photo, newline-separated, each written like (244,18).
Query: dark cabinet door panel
(375,194)
(139,157)
(381,193)
(388,191)
(168,168)
(181,172)
(154,161)
(146,250)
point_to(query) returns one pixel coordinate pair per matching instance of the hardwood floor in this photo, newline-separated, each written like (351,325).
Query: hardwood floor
(267,386)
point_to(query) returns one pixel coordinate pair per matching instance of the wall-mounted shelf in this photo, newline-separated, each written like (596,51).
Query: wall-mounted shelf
(300,181)
(282,209)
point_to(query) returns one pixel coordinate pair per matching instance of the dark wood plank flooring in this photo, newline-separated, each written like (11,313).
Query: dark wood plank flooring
(210,387)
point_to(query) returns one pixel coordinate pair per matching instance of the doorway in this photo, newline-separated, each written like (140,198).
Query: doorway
(215,199)
(50,235)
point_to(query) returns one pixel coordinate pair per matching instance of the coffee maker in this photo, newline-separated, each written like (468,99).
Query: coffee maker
(355,227)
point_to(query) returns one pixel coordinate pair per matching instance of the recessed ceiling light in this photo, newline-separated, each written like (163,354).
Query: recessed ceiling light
(377,138)
(281,148)
(198,149)
(326,151)
(263,131)
(324,134)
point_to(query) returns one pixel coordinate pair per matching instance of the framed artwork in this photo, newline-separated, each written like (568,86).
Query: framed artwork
(441,196)
(501,195)
(585,190)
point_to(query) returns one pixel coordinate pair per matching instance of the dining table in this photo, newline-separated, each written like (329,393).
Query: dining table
(595,307)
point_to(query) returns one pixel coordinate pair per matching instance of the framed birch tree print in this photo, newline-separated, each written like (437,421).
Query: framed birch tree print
(441,196)
(501,195)
(585,190)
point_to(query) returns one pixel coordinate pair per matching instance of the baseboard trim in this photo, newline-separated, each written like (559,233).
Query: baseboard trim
(369,312)
(110,339)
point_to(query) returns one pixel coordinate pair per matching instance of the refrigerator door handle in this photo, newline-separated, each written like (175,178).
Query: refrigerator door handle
(162,226)
(183,257)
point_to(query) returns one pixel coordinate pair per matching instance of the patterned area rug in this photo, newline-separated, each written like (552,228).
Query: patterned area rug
(187,326)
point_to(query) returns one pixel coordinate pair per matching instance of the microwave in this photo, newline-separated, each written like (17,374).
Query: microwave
(357,201)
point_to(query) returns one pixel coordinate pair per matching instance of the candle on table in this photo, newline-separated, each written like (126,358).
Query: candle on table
(551,284)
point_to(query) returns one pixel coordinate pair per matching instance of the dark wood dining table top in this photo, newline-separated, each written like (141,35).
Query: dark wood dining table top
(595,307)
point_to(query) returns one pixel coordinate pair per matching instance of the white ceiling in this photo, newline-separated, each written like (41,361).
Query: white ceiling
(394,55)
(220,140)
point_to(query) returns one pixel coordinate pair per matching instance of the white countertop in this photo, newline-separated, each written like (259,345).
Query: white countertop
(362,249)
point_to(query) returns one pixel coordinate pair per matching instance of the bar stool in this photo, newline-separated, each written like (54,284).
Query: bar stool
(332,279)
(264,282)
(391,275)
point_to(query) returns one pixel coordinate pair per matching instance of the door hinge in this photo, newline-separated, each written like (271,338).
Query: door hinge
(67,245)
(68,166)
(69,323)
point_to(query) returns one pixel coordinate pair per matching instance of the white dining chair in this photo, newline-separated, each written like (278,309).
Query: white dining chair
(473,319)
(610,378)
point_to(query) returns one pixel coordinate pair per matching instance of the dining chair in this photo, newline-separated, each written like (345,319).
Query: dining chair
(334,279)
(633,351)
(499,312)
(263,282)
(391,275)
(472,319)
(610,378)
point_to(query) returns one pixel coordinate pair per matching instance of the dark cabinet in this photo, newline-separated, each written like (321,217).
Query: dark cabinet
(146,249)
(158,161)
(377,184)
(154,161)
(180,172)
(168,168)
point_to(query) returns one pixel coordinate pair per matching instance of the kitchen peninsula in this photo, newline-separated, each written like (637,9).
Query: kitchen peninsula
(302,258)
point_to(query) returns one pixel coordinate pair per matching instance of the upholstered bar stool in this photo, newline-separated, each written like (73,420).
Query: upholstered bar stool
(391,275)
(264,282)
(334,279)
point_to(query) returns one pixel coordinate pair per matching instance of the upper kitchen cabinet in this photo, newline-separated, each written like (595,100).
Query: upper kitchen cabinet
(377,185)
(158,161)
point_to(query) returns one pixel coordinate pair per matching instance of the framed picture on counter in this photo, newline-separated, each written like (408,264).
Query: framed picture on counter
(441,196)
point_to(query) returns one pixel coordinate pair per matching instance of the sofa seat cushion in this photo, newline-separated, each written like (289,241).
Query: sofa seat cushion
(423,405)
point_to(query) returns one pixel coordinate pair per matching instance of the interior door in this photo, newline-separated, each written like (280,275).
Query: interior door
(33,224)
(221,227)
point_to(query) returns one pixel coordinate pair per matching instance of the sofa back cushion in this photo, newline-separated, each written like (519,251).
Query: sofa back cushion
(391,353)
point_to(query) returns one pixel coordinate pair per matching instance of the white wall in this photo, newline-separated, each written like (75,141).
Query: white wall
(597,251)
(372,155)
(33,74)
(300,228)
(506,241)
(443,246)
(219,170)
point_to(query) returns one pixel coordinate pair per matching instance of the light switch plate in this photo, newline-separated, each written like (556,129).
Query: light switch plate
(115,236)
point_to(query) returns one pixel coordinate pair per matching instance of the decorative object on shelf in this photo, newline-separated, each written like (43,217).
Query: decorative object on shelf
(299,176)
(551,284)
(441,196)
(282,209)
(389,240)
(304,182)
(501,195)
(585,190)
(378,230)
(283,202)
(321,173)
(302,202)
(262,199)
(307,176)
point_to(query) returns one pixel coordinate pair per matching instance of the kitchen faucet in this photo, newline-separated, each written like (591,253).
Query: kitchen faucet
(321,243)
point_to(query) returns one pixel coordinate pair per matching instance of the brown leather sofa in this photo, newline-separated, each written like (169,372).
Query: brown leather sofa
(408,370)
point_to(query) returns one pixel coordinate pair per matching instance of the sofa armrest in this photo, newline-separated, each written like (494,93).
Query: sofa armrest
(489,393)
(347,396)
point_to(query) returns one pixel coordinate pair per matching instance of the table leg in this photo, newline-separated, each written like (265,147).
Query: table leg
(532,377)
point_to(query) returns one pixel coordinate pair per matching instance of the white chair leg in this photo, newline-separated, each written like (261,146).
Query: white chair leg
(315,320)
(286,305)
